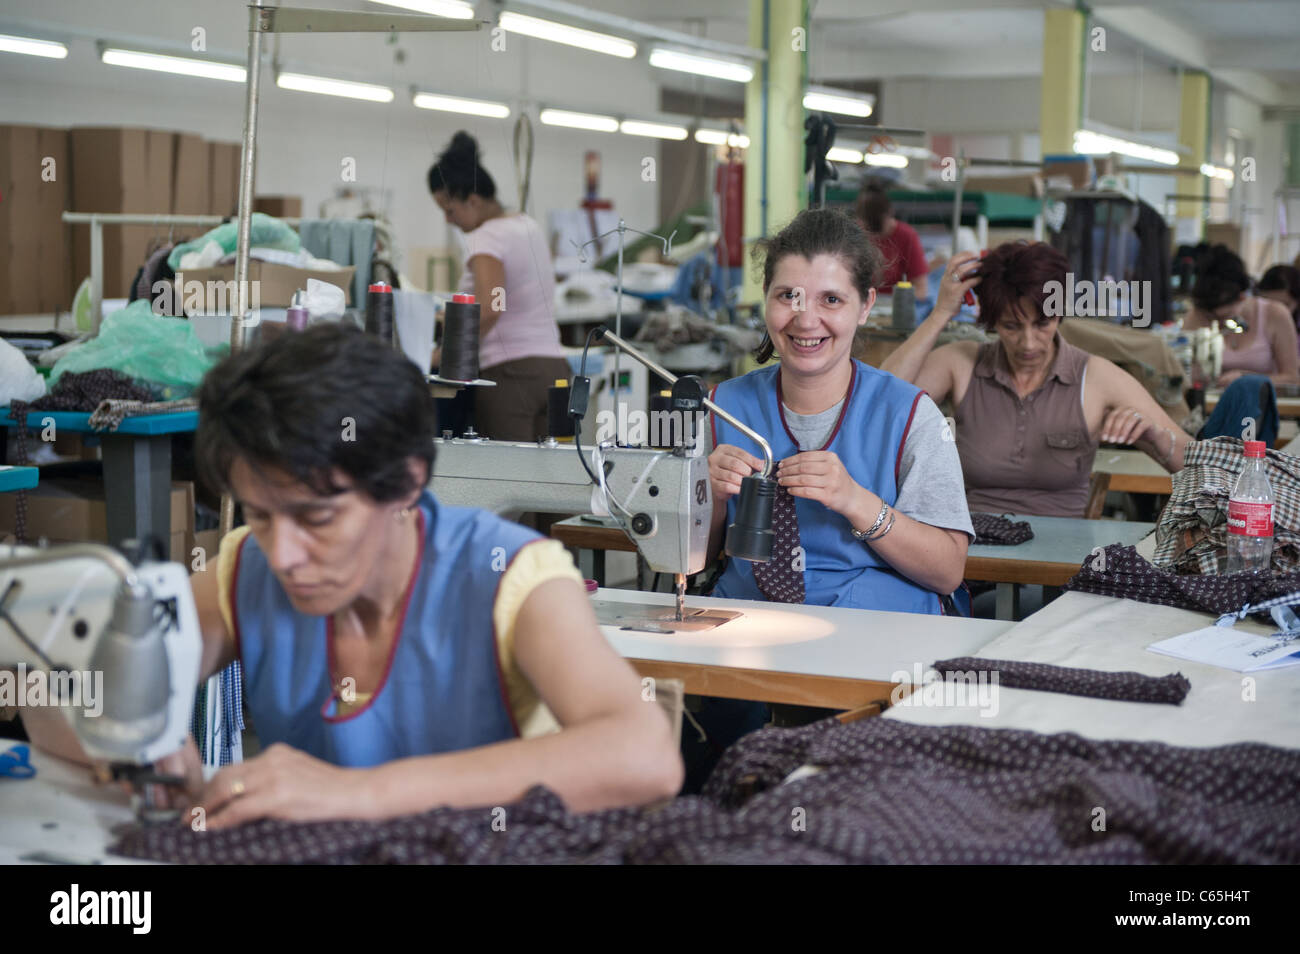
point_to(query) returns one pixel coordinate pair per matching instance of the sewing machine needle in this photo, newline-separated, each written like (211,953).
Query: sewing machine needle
(680,580)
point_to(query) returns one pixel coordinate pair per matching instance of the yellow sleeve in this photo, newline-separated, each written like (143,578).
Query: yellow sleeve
(226,555)
(536,563)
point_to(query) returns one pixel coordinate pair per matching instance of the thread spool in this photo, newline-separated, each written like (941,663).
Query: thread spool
(460,325)
(296,315)
(904,307)
(558,421)
(379,312)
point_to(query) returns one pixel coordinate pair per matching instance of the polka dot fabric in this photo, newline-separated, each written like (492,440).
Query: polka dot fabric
(1122,686)
(1120,572)
(889,793)
(778,578)
(990,529)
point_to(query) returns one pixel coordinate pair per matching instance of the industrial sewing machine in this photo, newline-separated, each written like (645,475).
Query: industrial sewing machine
(661,498)
(81,620)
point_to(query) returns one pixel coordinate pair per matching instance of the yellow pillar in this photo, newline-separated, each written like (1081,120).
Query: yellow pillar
(1060,111)
(774,180)
(1194,136)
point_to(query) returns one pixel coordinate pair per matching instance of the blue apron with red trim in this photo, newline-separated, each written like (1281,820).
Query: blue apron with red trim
(443,690)
(838,569)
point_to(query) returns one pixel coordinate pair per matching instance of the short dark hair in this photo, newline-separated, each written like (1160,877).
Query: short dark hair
(1221,278)
(1016,270)
(458,171)
(1282,278)
(874,206)
(816,232)
(283,405)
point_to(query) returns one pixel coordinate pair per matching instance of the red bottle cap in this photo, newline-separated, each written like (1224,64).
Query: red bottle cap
(382,287)
(463,299)
(1255,448)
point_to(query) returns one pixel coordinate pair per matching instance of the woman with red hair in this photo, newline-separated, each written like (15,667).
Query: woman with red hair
(1030,408)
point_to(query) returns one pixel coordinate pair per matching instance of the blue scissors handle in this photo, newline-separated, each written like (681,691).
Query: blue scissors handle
(16,763)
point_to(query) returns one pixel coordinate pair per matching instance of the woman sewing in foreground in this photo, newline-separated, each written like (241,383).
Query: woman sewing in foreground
(859,450)
(1030,408)
(394,649)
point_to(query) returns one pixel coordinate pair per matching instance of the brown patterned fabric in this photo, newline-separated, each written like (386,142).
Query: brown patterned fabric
(1119,571)
(1121,686)
(1192,533)
(889,793)
(992,530)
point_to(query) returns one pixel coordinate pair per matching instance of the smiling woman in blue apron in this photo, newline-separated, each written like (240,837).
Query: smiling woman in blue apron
(398,654)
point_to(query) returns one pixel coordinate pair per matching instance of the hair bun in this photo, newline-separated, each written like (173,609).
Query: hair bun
(462,145)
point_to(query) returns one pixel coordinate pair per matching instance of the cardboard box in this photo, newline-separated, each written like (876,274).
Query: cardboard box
(34,194)
(191,166)
(119,170)
(70,510)
(1030,185)
(277,283)
(1070,172)
(280,206)
(223,171)
(1224,233)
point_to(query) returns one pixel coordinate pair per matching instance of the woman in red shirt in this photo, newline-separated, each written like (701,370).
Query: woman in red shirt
(897,241)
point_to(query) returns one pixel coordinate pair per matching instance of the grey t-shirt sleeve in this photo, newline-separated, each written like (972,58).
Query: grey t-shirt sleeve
(930,484)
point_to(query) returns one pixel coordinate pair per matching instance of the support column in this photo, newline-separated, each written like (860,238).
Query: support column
(774,115)
(1060,110)
(1194,136)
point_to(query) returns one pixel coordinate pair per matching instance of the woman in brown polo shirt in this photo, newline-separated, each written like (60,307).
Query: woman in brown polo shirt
(1030,408)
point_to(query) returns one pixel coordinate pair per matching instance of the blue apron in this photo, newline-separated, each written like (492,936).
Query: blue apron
(443,690)
(868,439)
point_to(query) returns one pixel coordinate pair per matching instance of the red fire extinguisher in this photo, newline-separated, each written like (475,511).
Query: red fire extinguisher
(729,184)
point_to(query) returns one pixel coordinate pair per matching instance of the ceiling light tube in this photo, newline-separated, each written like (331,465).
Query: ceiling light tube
(1091,143)
(332,87)
(889,160)
(564,117)
(669,59)
(821,100)
(457,104)
(719,137)
(570,36)
(1211,171)
(32,47)
(841,154)
(183,65)
(634,127)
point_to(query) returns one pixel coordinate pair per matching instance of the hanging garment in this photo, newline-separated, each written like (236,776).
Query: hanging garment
(1250,396)
(344,242)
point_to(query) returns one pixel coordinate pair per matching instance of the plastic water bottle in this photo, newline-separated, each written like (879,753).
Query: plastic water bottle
(1250,515)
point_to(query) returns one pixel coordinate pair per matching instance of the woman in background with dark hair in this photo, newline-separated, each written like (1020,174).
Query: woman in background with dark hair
(900,246)
(1030,408)
(1267,343)
(508,270)
(1281,284)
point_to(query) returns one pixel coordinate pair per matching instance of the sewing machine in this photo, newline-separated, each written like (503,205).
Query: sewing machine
(81,620)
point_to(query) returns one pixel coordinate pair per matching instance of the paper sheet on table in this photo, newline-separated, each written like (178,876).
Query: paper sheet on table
(1228,648)
(413,313)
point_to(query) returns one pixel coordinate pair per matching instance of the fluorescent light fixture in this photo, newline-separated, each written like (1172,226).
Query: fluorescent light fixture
(563,117)
(841,154)
(667,59)
(453,9)
(184,65)
(635,127)
(890,160)
(837,101)
(718,137)
(455,104)
(571,36)
(1217,172)
(1091,143)
(333,87)
(22,44)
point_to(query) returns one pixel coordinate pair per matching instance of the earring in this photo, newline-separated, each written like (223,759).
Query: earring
(402,514)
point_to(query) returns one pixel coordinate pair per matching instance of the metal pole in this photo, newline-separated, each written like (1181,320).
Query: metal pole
(618,310)
(956,197)
(96,273)
(247,175)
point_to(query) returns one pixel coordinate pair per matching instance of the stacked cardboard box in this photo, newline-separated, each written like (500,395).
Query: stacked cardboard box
(34,192)
(280,206)
(223,161)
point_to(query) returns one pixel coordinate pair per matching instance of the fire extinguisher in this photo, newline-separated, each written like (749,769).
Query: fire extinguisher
(729,184)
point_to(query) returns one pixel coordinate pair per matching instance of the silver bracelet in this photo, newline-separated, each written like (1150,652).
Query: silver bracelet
(889,526)
(880,518)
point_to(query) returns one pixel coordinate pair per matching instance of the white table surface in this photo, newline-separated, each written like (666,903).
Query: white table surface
(812,640)
(1098,632)
(61,810)
(1110,460)
(1064,539)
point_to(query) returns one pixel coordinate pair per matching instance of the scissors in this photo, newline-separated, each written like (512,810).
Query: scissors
(16,763)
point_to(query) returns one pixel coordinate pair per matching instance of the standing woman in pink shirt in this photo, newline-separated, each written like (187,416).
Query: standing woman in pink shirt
(508,270)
